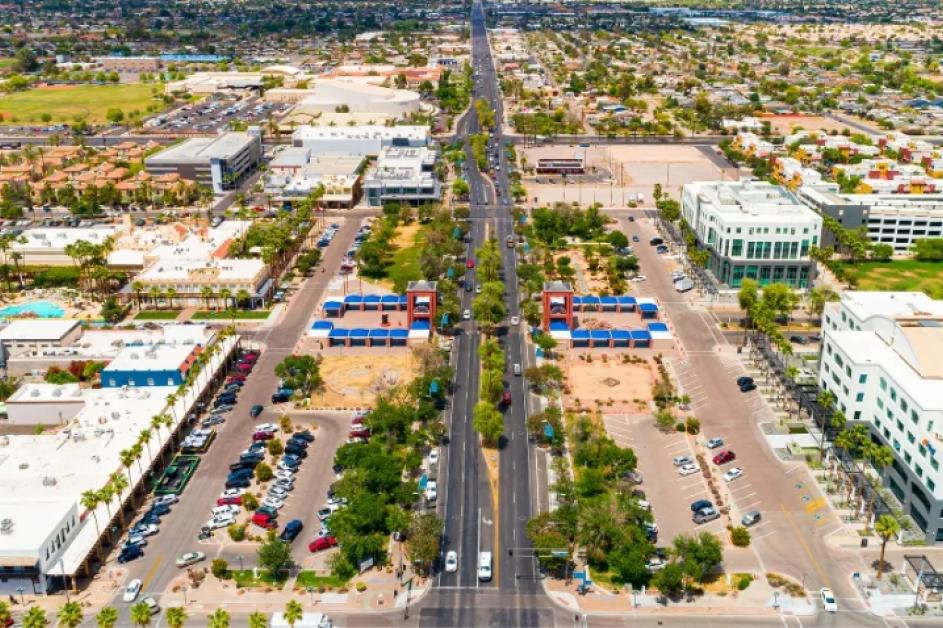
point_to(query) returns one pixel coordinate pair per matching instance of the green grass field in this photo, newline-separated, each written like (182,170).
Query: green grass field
(898,275)
(225,315)
(405,267)
(157,315)
(63,103)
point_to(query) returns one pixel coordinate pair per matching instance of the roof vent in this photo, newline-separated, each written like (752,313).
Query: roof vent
(34,392)
(6,526)
(56,392)
(48,480)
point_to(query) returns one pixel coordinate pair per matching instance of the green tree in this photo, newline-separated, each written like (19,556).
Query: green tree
(293,612)
(488,422)
(258,620)
(219,568)
(425,533)
(748,295)
(35,618)
(630,561)
(141,614)
(176,616)
(274,554)
(70,615)
(301,373)
(699,555)
(886,527)
(107,617)
(219,619)
(669,579)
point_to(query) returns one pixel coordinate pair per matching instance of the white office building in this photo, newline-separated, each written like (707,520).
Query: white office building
(403,175)
(882,358)
(753,230)
(365,139)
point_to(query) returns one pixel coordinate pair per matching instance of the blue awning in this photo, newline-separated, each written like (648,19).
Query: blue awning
(626,300)
(590,300)
(579,334)
(577,300)
(434,387)
(444,321)
(403,299)
(648,307)
(640,334)
(657,327)
(608,300)
(322,325)
(390,298)
(359,332)
(353,298)
(399,333)
(420,324)
(372,298)
(333,305)
(600,334)
(338,333)
(558,326)
(379,333)
(264,290)
(621,334)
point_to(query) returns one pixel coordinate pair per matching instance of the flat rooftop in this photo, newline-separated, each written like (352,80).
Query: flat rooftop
(745,201)
(366,131)
(48,330)
(57,238)
(200,150)
(895,305)
(215,270)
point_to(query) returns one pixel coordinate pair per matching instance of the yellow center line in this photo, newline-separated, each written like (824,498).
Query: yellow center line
(805,547)
(151,573)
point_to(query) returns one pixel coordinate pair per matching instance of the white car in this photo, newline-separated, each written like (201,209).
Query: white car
(680,461)
(132,591)
(221,512)
(334,503)
(714,443)
(285,474)
(466,314)
(268,428)
(190,558)
(278,492)
(829,603)
(451,561)
(285,484)
(515,321)
(166,500)
(655,563)
(688,469)
(145,529)
(233,492)
(431,492)
(733,474)
(273,502)
(434,457)
(284,466)
(639,278)
(220,522)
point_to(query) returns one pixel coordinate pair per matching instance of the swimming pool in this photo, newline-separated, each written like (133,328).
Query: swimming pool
(42,309)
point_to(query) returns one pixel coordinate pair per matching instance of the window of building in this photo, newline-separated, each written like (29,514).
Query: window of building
(150,381)
(900,426)
(910,438)
(112,382)
(883,384)
(880,403)
(847,371)
(859,397)
(913,416)
(919,470)
(931,484)
(907,457)
(903,404)
(893,395)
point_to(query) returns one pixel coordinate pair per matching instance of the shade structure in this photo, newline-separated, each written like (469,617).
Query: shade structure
(657,327)
(558,326)
(353,299)
(580,334)
(322,325)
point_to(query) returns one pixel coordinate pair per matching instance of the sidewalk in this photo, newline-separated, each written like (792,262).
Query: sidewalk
(758,599)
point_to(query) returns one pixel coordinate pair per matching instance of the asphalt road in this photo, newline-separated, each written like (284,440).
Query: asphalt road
(179,529)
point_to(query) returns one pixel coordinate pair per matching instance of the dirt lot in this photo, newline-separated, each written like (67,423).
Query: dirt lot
(785,125)
(621,173)
(618,385)
(354,378)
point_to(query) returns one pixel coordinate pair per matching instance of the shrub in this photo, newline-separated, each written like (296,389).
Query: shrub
(361,586)
(740,536)
(275,447)
(237,532)
(679,427)
(692,425)
(219,568)
(285,423)
(263,472)
(249,501)
(744,581)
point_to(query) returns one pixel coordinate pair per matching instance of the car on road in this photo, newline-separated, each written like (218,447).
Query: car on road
(145,529)
(733,474)
(324,513)
(639,278)
(266,427)
(484,566)
(451,561)
(304,435)
(515,321)
(506,398)
(129,554)
(724,457)
(132,591)
(829,603)
(799,340)
(273,502)
(478,289)
(635,238)
(292,530)
(431,491)
(751,518)
(715,442)
(434,456)
(701,504)
(704,515)
(688,469)
(748,387)
(166,500)
(255,411)
(190,558)
(466,314)
(322,543)
(470,263)
(680,461)
(213,419)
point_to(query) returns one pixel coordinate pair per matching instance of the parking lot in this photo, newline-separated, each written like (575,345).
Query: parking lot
(215,113)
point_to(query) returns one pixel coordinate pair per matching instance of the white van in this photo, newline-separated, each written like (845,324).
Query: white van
(484,566)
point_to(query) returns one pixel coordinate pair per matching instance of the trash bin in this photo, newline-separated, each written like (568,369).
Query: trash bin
(864,542)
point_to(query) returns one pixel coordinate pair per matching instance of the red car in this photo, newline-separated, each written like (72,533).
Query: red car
(357,421)
(360,433)
(244,367)
(249,357)
(506,397)
(235,378)
(263,436)
(470,263)
(229,501)
(724,457)
(264,521)
(322,543)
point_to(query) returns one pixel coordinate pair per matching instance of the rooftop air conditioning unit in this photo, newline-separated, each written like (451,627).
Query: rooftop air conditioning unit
(6,526)
(48,480)
(34,392)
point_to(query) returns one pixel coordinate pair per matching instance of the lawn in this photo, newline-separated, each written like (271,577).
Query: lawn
(157,315)
(310,579)
(225,315)
(246,579)
(405,266)
(898,275)
(64,102)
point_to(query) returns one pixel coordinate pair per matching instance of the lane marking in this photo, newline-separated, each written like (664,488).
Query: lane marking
(151,572)
(805,546)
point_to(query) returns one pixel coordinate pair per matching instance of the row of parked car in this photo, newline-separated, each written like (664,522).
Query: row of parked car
(147,525)
(328,235)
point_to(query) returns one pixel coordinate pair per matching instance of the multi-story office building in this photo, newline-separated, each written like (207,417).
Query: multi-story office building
(882,359)
(221,161)
(403,175)
(753,230)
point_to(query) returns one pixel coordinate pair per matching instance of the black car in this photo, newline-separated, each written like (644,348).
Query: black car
(296,451)
(240,482)
(298,442)
(253,456)
(224,401)
(291,531)
(151,517)
(212,420)
(304,435)
(243,472)
(748,387)
(159,509)
(255,411)
(701,504)
(130,553)
(799,340)
(742,381)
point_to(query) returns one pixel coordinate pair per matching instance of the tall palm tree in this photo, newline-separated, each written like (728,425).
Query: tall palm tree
(105,494)
(887,527)
(176,616)
(154,293)
(138,288)
(258,620)
(207,293)
(219,619)
(171,295)
(225,294)
(141,614)
(118,483)
(242,298)
(293,612)
(127,459)
(90,500)
(138,450)
(144,438)
(107,617)
(35,618)
(70,615)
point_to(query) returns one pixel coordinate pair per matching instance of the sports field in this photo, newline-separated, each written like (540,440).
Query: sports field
(899,275)
(64,102)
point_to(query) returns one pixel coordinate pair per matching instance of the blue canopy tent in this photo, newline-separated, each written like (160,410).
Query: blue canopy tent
(608,303)
(321,325)
(590,302)
(358,336)
(379,336)
(337,337)
(648,310)
(354,301)
(641,338)
(577,300)
(389,301)
(580,337)
(422,324)
(333,308)
(658,327)
(599,337)
(626,303)
(371,302)
(399,336)
(621,337)
(558,326)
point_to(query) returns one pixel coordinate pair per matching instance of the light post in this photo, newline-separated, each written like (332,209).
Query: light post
(184,590)
(311,594)
(239,558)
(20,591)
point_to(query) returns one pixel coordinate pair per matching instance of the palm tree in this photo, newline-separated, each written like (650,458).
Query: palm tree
(138,288)
(107,617)
(207,293)
(118,483)
(219,619)
(293,612)
(144,438)
(90,500)
(70,615)
(105,494)
(35,618)
(127,459)
(886,528)
(171,294)
(225,294)
(258,620)
(138,450)
(154,294)
(141,614)
(176,616)
(242,297)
